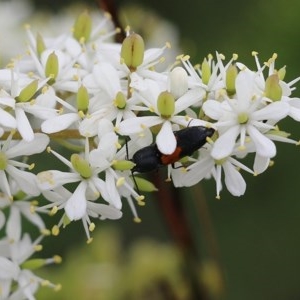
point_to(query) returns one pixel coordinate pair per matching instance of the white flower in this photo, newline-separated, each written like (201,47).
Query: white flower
(165,139)
(60,196)
(207,166)
(26,181)
(86,173)
(109,100)
(12,256)
(14,83)
(17,209)
(244,115)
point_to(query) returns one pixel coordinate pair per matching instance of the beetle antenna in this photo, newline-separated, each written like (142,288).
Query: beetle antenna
(132,173)
(135,183)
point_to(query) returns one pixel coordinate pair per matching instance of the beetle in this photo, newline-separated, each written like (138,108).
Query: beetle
(189,140)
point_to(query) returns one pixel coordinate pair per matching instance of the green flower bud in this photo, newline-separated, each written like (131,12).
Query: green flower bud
(120,101)
(28,92)
(3,161)
(66,221)
(279,133)
(243,118)
(273,90)
(33,264)
(281,73)
(83,27)
(145,185)
(166,104)
(231,75)
(132,51)
(52,67)
(81,166)
(82,99)
(206,71)
(123,165)
(40,45)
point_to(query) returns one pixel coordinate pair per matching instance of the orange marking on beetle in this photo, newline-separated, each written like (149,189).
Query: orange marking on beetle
(167,159)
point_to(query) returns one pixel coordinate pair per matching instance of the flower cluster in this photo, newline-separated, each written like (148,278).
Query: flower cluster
(104,101)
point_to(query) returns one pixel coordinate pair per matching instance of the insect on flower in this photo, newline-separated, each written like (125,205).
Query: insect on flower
(188,140)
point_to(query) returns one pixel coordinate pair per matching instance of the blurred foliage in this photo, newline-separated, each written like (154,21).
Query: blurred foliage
(105,271)
(258,234)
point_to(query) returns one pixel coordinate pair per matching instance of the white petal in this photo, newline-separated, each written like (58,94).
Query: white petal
(34,218)
(98,159)
(114,196)
(197,171)
(294,109)
(244,86)
(13,225)
(189,98)
(25,180)
(108,144)
(213,109)
(4,185)
(224,145)
(76,205)
(59,123)
(106,211)
(2,219)
(8,101)
(38,145)
(274,111)
(165,140)
(104,126)
(23,125)
(48,180)
(234,181)
(8,270)
(7,120)
(136,125)
(107,78)
(264,146)
(89,126)
(260,164)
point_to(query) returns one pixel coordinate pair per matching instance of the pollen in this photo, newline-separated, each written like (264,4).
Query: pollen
(57,259)
(46,176)
(38,248)
(92,227)
(120,181)
(55,230)
(137,220)
(89,241)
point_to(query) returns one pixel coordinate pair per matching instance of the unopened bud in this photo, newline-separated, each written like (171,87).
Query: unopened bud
(52,67)
(28,92)
(166,104)
(83,27)
(132,51)
(82,99)
(123,165)
(81,166)
(231,75)
(3,161)
(120,101)
(145,185)
(206,71)
(33,264)
(178,82)
(281,73)
(40,44)
(273,89)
